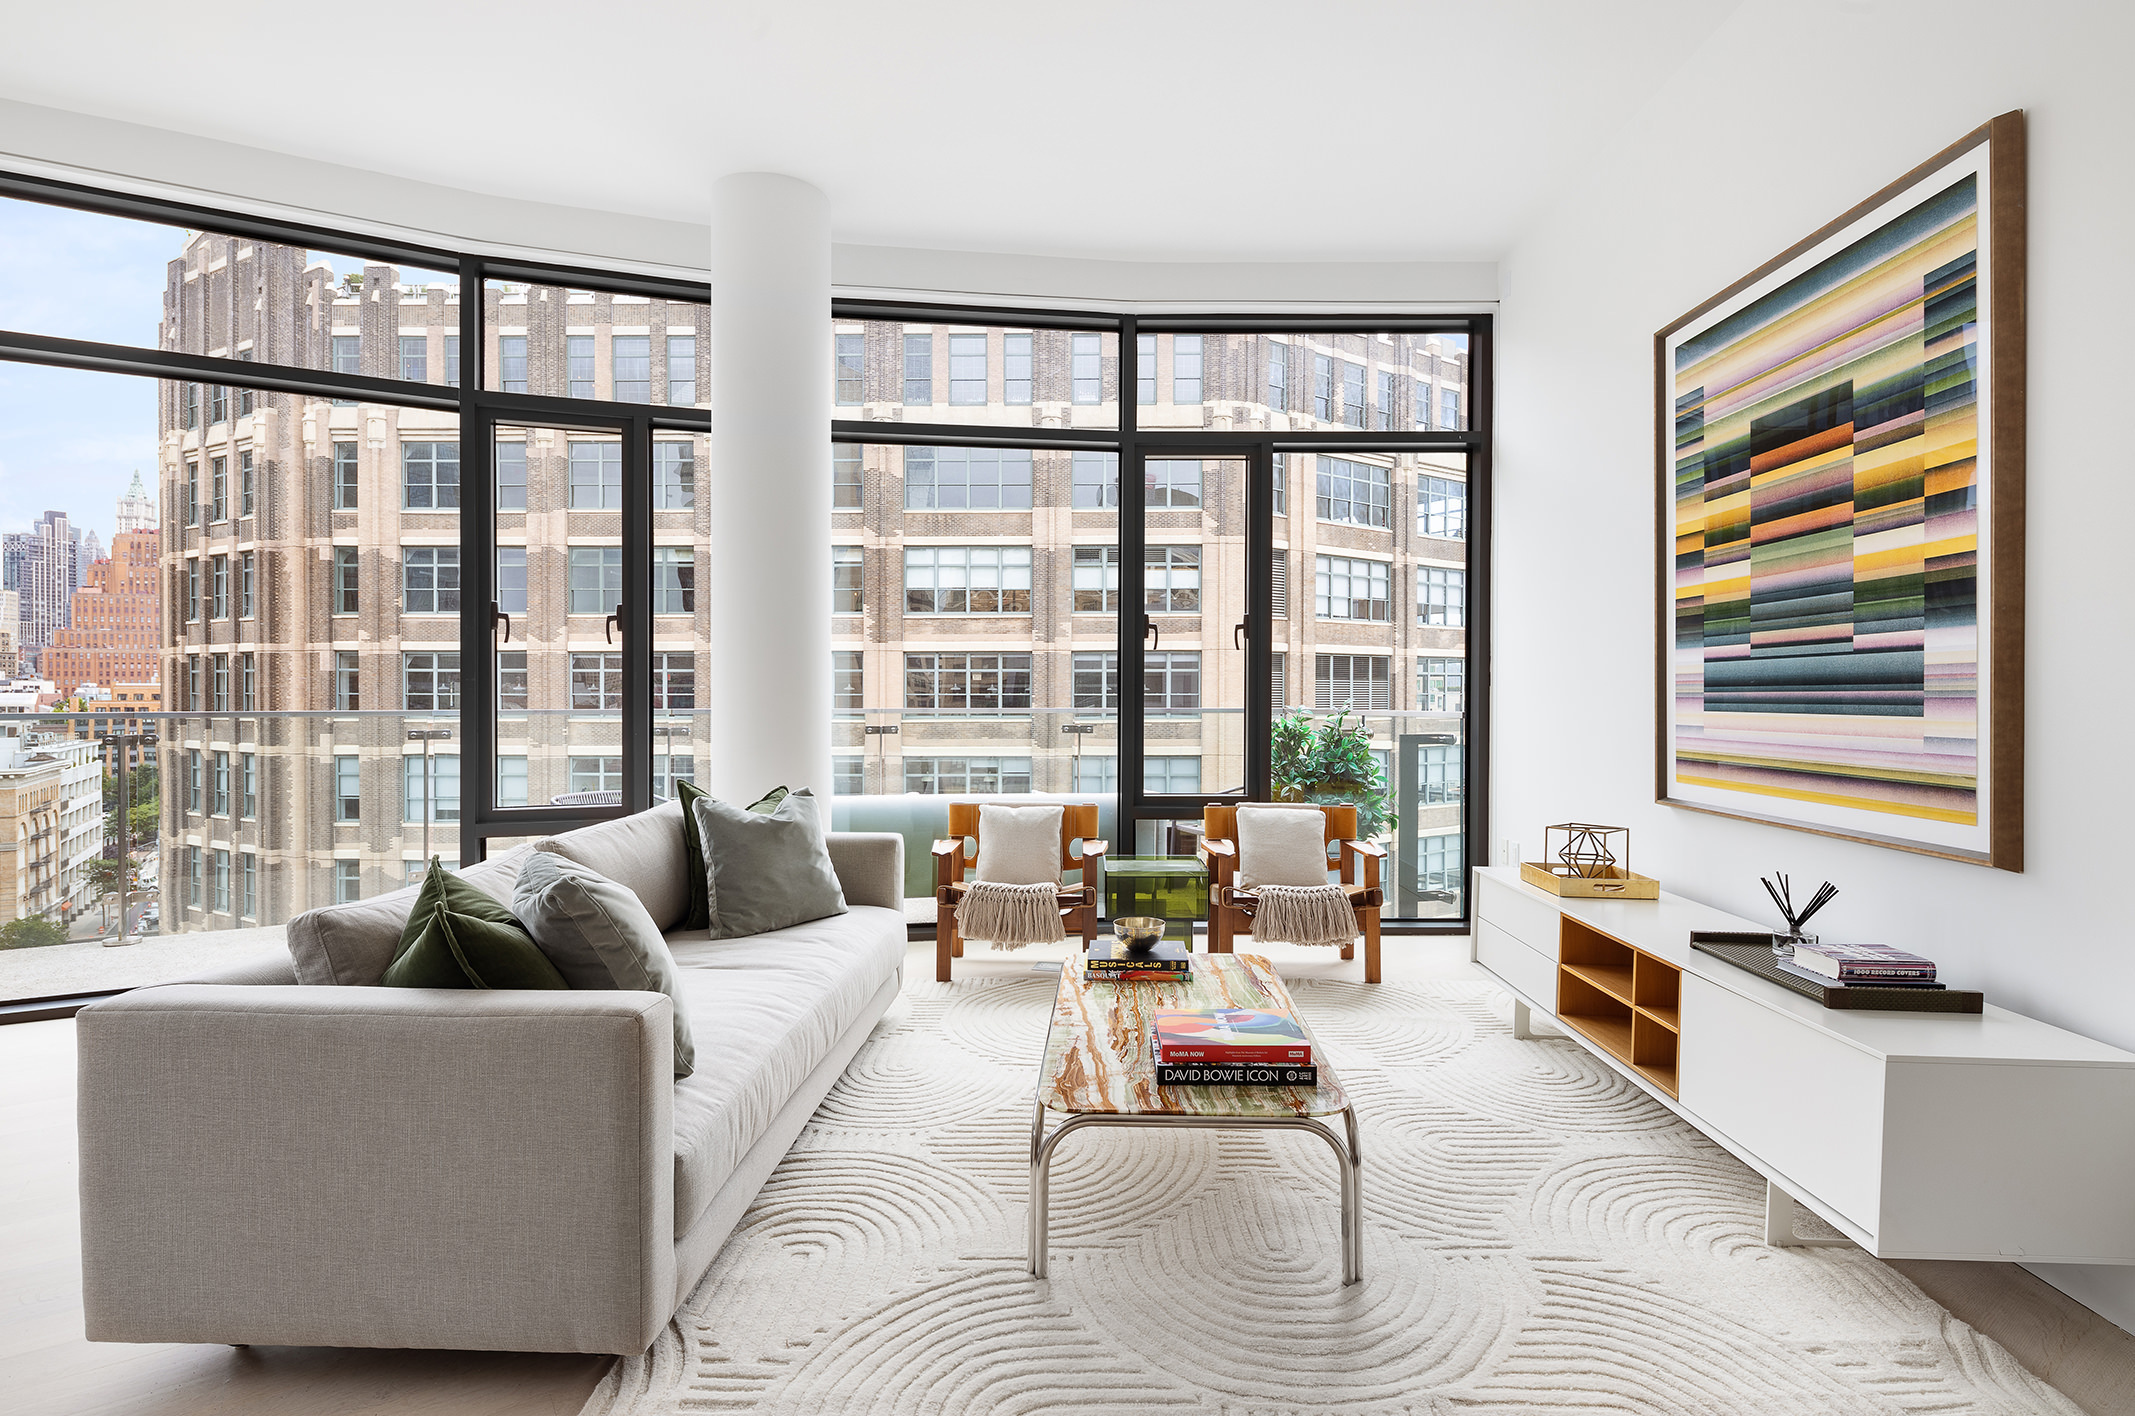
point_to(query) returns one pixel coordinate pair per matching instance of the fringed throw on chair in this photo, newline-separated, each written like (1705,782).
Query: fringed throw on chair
(1305,914)
(1010,916)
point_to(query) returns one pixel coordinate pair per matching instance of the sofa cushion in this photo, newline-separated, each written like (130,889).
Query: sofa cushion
(598,935)
(458,937)
(698,915)
(765,872)
(353,944)
(642,851)
(766,1011)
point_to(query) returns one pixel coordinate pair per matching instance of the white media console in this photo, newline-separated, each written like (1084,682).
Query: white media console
(1917,1135)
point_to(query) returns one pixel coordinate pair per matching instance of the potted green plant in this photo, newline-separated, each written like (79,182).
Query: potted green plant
(1330,763)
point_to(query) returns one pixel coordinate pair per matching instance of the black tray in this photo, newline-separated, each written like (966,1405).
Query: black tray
(1758,959)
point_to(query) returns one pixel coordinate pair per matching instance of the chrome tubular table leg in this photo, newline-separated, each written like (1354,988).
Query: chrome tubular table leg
(1037,1239)
(1352,1203)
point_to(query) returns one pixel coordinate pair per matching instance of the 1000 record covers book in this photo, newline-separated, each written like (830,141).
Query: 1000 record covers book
(1206,1035)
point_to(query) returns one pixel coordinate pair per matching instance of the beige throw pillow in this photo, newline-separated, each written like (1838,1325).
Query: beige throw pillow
(1281,845)
(1019,845)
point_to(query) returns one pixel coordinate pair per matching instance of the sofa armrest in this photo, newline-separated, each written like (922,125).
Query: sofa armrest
(870,867)
(378,1167)
(266,970)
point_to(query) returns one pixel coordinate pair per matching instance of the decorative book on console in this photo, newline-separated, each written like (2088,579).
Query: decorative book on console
(1862,963)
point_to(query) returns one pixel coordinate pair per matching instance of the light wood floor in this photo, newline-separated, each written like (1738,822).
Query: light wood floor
(48,1369)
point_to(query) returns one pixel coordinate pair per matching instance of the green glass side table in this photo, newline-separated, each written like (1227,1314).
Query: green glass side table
(1171,888)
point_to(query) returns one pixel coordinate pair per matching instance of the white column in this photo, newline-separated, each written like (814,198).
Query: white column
(767,684)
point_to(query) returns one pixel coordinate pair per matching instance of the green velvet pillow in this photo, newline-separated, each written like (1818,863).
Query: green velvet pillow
(700,900)
(459,937)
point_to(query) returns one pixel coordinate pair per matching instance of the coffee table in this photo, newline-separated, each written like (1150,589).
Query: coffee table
(1098,1071)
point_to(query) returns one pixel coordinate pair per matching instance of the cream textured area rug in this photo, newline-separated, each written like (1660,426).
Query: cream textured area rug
(1540,1238)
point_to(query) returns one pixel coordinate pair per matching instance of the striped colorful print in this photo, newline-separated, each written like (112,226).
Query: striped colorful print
(1826,529)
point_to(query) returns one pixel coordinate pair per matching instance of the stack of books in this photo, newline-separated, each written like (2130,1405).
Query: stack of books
(1110,959)
(1869,965)
(1231,1047)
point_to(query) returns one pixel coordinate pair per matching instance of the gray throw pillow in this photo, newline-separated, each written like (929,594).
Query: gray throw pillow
(765,871)
(598,935)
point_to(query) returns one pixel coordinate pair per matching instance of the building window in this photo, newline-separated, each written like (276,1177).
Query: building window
(596,579)
(348,881)
(1438,867)
(196,696)
(248,885)
(511,579)
(596,476)
(1096,480)
(919,368)
(1423,405)
(219,784)
(189,406)
(1096,579)
(348,353)
(1352,394)
(1145,369)
(578,365)
(847,584)
(1442,508)
(430,682)
(346,580)
(1354,493)
(1094,774)
(850,377)
(444,773)
(511,476)
(1171,776)
(967,580)
(1282,484)
(452,361)
(1323,388)
(511,781)
(415,358)
(348,788)
(1016,369)
(511,681)
(1449,407)
(511,363)
(248,786)
(674,580)
(633,367)
(247,683)
(961,776)
(1279,682)
(966,479)
(1171,682)
(1278,377)
(1383,414)
(1441,595)
(1171,580)
(192,494)
(1443,775)
(846,684)
(1186,368)
(218,489)
(967,369)
(1351,681)
(195,782)
(218,683)
(848,775)
(218,404)
(1172,483)
(987,683)
(669,768)
(218,587)
(430,580)
(674,476)
(347,698)
(596,774)
(430,476)
(596,683)
(674,681)
(1347,589)
(344,476)
(219,881)
(245,583)
(1094,682)
(1086,368)
(245,481)
(845,476)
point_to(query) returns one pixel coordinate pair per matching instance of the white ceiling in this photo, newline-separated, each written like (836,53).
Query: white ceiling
(1367,130)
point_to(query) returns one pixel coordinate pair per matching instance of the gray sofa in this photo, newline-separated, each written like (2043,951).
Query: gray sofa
(279,1155)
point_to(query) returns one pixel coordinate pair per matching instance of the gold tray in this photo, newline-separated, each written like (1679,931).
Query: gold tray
(1618,884)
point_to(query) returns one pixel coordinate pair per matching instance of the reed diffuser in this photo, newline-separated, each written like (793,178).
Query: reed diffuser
(1783,896)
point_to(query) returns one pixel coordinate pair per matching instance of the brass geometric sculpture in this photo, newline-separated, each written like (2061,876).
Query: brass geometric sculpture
(1587,851)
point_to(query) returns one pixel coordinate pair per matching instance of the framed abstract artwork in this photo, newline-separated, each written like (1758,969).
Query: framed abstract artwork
(1840,449)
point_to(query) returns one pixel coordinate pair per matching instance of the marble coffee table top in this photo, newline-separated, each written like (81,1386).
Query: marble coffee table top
(1098,1058)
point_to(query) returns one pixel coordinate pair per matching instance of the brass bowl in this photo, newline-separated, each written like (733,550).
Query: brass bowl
(1138,931)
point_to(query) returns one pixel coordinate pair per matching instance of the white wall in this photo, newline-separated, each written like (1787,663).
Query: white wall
(1792,113)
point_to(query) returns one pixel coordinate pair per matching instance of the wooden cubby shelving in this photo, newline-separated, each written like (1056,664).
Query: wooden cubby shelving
(1624,1000)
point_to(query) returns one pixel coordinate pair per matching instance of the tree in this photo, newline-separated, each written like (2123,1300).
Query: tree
(104,878)
(1330,763)
(30,934)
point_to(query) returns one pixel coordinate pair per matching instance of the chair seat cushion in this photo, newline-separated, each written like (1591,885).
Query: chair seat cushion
(765,1011)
